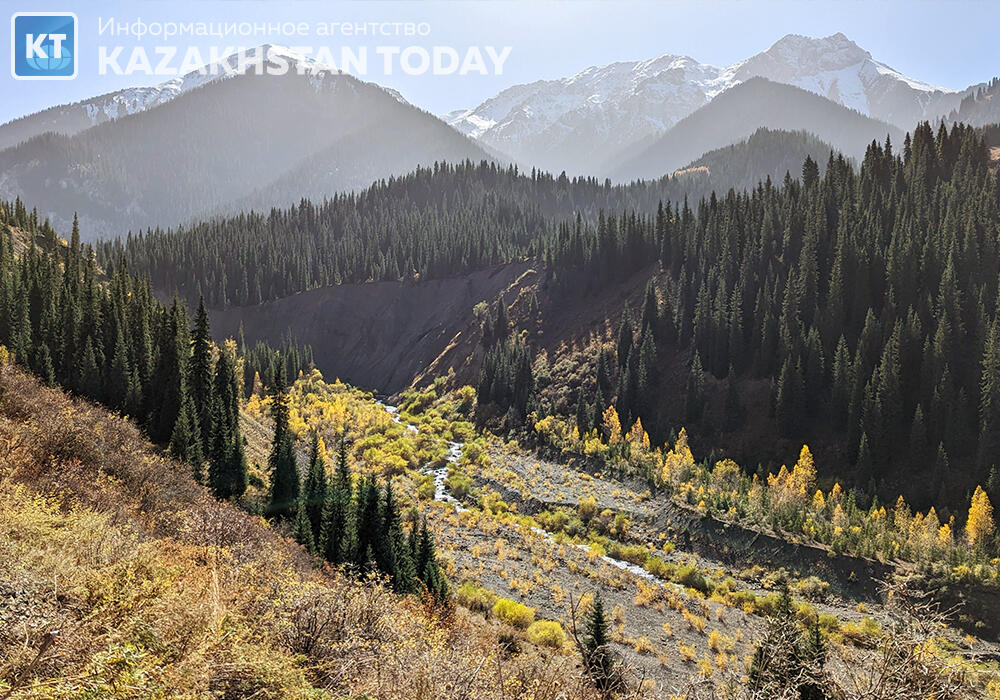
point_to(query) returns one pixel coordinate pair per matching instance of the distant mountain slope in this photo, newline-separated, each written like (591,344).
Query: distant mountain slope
(211,147)
(842,71)
(740,111)
(432,223)
(73,118)
(577,123)
(981,107)
(767,153)
(582,123)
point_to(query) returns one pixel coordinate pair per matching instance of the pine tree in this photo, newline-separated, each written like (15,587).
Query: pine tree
(43,365)
(426,564)
(88,374)
(810,173)
(392,552)
(284,470)
(185,444)
(227,461)
(200,375)
(989,399)
(368,520)
(598,657)
(338,517)
(118,375)
(315,491)
(170,386)
(694,394)
(303,530)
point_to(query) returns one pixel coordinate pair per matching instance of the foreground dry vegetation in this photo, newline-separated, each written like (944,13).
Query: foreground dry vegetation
(120,577)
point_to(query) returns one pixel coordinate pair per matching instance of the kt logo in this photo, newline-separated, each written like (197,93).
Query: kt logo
(43,45)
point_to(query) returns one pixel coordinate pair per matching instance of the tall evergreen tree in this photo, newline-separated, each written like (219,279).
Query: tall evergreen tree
(598,657)
(315,490)
(392,552)
(367,523)
(285,485)
(426,564)
(338,518)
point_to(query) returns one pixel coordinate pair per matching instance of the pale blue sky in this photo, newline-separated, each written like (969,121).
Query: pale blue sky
(946,42)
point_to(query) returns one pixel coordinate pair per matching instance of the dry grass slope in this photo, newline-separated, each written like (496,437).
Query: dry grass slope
(120,577)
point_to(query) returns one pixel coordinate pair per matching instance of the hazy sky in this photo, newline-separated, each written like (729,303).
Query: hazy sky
(950,43)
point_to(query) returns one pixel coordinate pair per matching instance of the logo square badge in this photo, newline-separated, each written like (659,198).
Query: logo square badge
(43,45)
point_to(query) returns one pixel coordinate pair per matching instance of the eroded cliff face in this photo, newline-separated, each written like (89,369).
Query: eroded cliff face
(383,335)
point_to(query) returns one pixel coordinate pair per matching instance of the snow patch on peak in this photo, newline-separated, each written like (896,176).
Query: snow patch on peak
(577,121)
(255,60)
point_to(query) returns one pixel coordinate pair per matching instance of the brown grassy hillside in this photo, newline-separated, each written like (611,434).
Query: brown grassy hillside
(120,577)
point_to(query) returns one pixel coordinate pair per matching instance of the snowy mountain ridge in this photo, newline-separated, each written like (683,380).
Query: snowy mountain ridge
(132,100)
(581,122)
(73,118)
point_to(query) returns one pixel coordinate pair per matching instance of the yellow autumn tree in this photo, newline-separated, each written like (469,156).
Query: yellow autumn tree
(819,501)
(804,472)
(612,425)
(980,526)
(836,493)
(637,436)
(944,535)
(678,459)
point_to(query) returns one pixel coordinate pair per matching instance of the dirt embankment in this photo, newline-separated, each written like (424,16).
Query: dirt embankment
(388,335)
(382,335)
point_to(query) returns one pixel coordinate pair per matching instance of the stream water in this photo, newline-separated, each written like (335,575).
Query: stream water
(440,474)
(442,494)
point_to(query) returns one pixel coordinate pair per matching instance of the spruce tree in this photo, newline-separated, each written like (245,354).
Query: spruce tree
(284,470)
(339,519)
(227,461)
(392,554)
(427,567)
(368,519)
(185,444)
(303,530)
(170,385)
(598,657)
(200,375)
(315,489)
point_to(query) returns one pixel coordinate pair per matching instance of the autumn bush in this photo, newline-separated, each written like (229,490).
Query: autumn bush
(547,633)
(475,597)
(514,613)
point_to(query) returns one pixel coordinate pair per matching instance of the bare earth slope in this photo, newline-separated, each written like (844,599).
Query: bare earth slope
(379,335)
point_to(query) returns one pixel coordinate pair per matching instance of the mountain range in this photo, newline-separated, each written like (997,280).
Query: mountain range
(739,111)
(584,122)
(212,144)
(226,140)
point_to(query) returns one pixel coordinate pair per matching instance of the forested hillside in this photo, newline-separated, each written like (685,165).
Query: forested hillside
(433,223)
(866,300)
(742,109)
(767,153)
(981,107)
(855,305)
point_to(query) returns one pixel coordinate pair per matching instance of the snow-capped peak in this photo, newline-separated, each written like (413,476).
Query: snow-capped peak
(256,60)
(607,108)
